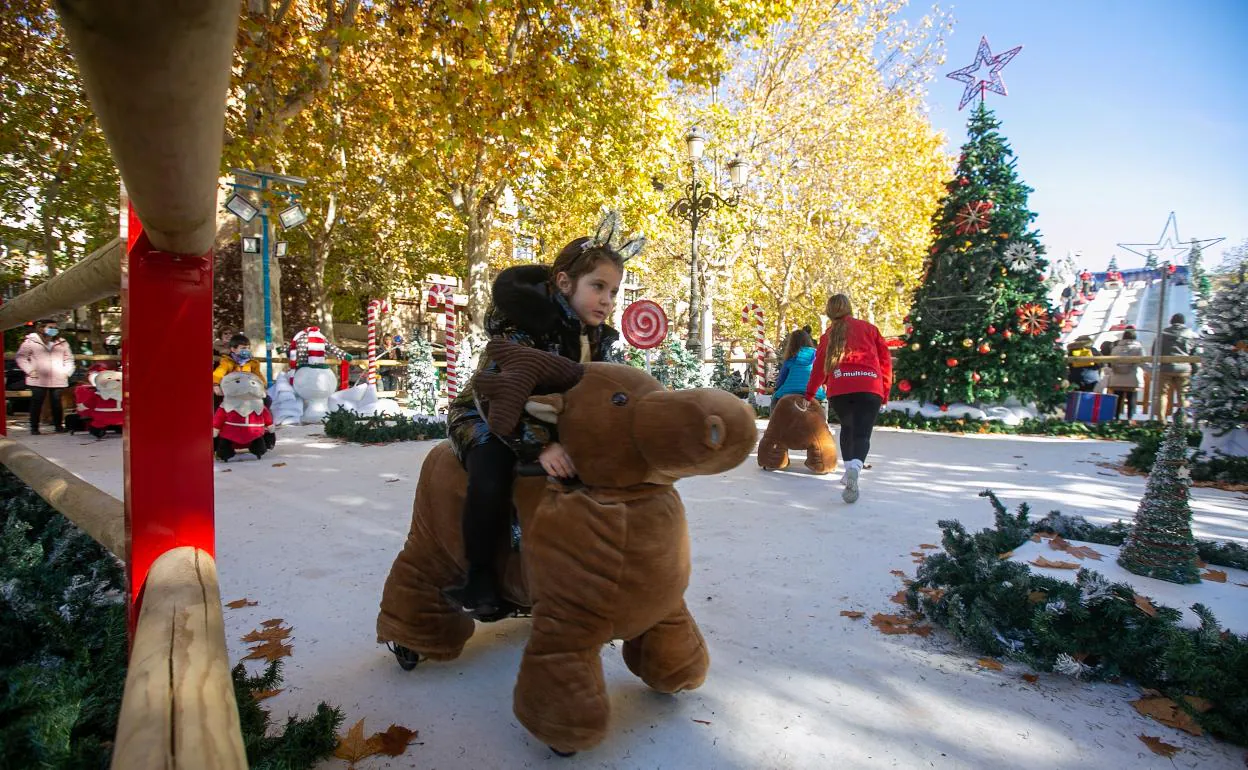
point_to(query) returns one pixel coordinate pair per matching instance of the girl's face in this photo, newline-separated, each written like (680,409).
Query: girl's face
(593,295)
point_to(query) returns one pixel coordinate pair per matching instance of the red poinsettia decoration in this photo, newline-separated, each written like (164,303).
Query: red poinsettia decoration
(973,217)
(1033,319)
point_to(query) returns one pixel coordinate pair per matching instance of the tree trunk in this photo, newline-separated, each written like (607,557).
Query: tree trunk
(480,222)
(253,294)
(322,305)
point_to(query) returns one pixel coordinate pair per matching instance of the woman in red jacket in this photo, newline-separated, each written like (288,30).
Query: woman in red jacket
(854,363)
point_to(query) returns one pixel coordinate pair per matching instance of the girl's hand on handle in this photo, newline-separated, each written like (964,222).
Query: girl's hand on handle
(555,461)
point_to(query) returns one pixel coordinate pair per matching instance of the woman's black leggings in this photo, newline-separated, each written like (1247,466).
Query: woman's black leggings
(487,506)
(37,396)
(857,413)
(1125,398)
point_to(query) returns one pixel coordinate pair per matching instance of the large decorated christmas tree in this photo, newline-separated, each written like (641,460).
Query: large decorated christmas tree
(1220,387)
(981,328)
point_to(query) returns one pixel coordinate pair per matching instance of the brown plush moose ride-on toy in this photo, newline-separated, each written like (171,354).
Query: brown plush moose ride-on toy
(794,424)
(601,559)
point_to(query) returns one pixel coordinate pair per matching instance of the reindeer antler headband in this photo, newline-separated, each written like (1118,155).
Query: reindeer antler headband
(610,234)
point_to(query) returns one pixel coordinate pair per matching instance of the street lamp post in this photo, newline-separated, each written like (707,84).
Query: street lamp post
(697,202)
(292,216)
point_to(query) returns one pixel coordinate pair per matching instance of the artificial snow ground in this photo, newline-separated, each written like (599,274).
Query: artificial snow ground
(776,557)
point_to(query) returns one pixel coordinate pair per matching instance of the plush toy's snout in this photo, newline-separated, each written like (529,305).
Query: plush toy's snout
(694,432)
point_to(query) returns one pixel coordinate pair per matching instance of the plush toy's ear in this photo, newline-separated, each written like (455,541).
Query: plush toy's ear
(545,408)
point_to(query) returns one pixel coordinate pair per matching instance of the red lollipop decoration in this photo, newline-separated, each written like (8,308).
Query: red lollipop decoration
(645,324)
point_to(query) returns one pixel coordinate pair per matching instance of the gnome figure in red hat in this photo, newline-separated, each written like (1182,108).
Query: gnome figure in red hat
(105,404)
(242,423)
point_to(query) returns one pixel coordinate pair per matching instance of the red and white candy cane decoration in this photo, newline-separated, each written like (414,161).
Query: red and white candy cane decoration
(754,311)
(375,308)
(452,350)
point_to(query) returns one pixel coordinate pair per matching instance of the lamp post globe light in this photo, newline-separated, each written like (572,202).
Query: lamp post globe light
(293,215)
(697,202)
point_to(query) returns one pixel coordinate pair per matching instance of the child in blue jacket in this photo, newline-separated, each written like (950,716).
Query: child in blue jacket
(799,355)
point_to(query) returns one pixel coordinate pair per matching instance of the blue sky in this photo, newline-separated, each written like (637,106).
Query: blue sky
(1118,112)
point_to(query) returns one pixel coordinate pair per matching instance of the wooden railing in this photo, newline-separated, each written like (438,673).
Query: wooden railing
(178,709)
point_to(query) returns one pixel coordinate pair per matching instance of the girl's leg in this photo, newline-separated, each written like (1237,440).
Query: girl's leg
(486,520)
(57,414)
(1120,403)
(843,406)
(867,408)
(1131,398)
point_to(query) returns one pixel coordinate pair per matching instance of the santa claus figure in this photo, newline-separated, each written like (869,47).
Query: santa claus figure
(79,419)
(242,423)
(105,404)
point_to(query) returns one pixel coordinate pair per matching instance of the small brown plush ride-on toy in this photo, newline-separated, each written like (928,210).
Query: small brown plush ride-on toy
(794,424)
(605,558)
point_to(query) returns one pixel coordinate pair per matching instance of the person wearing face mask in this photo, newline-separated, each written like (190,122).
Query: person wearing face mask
(47,361)
(237,360)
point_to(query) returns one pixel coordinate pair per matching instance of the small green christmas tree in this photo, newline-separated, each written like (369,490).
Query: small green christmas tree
(1150,262)
(1220,387)
(1160,544)
(422,377)
(676,367)
(1113,265)
(1202,286)
(721,375)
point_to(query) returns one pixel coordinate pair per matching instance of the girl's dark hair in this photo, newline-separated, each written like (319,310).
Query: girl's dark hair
(1106,347)
(1129,334)
(798,339)
(576,260)
(239,339)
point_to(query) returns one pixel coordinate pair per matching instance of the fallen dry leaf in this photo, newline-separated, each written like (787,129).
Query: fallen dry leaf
(898,624)
(394,740)
(1145,606)
(263,694)
(1004,556)
(1198,704)
(702,721)
(271,622)
(919,554)
(354,746)
(226,470)
(1201,563)
(268,634)
(854,614)
(269,651)
(896,573)
(990,663)
(1216,575)
(1159,746)
(1083,552)
(1040,561)
(899,597)
(279,465)
(238,603)
(934,594)
(928,545)
(1035,597)
(1168,713)
(1030,678)
(1035,538)
(1058,543)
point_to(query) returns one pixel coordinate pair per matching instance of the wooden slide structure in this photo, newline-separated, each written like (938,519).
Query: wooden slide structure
(156,73)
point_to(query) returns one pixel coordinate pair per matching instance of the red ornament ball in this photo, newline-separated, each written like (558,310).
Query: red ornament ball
(944,407)
(975,377)
(904,386)
(1007,334)
(951,362)
(992,329)
(985,348)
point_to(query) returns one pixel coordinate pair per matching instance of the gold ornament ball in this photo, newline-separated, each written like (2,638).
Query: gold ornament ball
(915,346)
(966,342)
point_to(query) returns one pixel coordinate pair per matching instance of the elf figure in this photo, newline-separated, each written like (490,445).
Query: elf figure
(104,405)
(242,422)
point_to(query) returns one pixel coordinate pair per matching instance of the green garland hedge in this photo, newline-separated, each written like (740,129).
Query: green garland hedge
(1204,466)
(1119,430)
(63,652)
(1090,628)
(380,429)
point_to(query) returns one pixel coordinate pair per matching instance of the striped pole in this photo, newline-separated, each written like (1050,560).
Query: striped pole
(375,308)
(754,312)
(452,350)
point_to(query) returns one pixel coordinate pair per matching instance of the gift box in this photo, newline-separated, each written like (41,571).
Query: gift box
(1090,407)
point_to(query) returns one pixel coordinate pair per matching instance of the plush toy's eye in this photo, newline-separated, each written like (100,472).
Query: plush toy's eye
(619,399)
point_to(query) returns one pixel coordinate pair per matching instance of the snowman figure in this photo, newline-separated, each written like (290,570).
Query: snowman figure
(314,382)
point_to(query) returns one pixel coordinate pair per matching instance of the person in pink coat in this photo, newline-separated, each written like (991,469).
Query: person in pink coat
(47,361)
(854,363)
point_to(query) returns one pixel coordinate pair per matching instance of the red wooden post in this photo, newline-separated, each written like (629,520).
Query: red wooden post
(166,310)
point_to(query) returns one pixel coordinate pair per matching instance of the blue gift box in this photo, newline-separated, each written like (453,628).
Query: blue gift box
(1090,407)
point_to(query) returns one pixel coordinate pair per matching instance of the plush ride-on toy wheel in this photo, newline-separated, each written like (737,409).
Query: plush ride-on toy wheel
(559,753)
(408,659)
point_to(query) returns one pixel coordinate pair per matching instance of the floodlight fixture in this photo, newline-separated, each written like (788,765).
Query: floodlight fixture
(251,245)
(280,250)
(292,217)
(241,207)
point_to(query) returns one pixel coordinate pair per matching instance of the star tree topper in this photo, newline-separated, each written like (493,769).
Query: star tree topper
(979,81)
(1169,247)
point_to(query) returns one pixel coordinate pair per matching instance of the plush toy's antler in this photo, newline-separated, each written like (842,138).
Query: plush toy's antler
(524,372)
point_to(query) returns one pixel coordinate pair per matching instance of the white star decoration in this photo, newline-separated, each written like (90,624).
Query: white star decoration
(977,80)
(1169,247)
(1184,473)
(1020,257)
